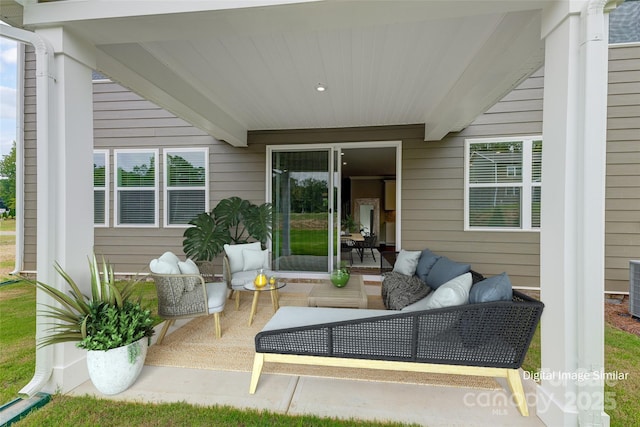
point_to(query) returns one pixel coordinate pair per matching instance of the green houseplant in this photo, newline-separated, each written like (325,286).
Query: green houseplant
(232,221)
(108,322)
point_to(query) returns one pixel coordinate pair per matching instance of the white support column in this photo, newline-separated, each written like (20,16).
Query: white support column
(65,190)
(573,206)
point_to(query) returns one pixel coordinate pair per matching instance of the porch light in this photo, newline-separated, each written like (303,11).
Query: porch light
(321,87)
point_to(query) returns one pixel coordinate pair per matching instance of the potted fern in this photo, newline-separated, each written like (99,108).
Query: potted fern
(112,326)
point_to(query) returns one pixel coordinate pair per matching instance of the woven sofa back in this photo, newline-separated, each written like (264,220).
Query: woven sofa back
(495,334)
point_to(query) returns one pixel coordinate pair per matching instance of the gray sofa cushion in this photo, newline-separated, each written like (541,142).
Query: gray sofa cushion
(496,288)
(425,263)
(444,270)
(400,290)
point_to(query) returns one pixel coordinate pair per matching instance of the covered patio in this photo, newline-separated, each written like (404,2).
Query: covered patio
(233,67)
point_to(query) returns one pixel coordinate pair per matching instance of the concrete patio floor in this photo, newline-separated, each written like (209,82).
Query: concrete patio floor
(294,395)
(426,405)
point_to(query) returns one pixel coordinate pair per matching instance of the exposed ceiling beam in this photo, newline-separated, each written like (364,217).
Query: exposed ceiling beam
(515,41)
(155,82)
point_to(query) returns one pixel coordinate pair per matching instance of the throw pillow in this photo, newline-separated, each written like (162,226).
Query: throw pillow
(496,288)
(253,260)
(444,270)
(234,254)
(400,290)
(169,257)
(454,292)
(425,263)
(189,267)
(407,262)
(159,266)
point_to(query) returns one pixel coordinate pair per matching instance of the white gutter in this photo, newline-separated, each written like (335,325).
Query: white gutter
(44,109)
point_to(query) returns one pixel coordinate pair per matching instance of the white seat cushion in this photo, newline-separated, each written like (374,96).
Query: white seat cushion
(292,317)
(216,296)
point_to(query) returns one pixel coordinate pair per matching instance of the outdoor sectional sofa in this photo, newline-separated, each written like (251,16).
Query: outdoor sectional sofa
(483,339)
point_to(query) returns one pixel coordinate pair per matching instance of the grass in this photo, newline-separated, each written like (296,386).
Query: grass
(73,412)
(621,355)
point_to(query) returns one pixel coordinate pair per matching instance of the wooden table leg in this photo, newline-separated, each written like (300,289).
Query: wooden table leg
(254,306)
(275,299)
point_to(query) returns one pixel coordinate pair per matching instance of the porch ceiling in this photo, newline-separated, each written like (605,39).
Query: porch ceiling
(256,68)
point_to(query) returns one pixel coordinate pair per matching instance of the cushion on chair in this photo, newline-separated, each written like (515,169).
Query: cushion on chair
(189,267)
(444,270)
(425,263)
(496,288)
(254,260)
(169,257)
(407,262)
(234,254)
(454,292)
(160,266)
(216,296)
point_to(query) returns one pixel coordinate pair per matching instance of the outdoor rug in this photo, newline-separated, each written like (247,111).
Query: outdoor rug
(194,346)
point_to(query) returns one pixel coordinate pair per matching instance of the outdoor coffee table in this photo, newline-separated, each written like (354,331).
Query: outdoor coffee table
(325,294)
(272,289)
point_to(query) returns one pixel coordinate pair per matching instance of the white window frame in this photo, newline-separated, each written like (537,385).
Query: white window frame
(107,180)
(117,188)
(526,185)
(169,151)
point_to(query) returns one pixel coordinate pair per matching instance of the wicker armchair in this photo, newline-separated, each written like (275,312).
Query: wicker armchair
(183,296)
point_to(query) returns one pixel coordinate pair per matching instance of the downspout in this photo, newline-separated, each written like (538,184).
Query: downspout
(44,109)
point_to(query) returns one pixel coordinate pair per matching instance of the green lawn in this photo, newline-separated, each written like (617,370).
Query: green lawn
(621,355)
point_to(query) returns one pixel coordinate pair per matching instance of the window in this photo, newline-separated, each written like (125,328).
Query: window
(101,188)
(624,24)
(185,184)
(503,179)
(136,199)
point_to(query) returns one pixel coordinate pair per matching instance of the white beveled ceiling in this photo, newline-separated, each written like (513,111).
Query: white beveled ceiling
(233,70)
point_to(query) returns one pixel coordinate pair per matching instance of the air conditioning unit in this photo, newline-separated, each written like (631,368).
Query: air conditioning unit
(634,288)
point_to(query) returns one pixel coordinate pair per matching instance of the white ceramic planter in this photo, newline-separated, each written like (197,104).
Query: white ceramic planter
(113,371)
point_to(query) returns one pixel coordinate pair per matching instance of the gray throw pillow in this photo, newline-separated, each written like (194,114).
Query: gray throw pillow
(444,270)
(400,290)
(496,288)
(407,262)
(425,263)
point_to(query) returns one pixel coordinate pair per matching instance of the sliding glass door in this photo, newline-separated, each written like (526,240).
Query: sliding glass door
(303,194)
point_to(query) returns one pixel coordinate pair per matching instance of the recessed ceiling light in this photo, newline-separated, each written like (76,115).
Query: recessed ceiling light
(320,87)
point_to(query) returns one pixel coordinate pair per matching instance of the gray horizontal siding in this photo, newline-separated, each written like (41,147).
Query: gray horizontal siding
(622,237)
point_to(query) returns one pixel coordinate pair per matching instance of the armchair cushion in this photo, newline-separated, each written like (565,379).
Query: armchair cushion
(234,254)
(189,267)
(407,262)
(254,260)
(160,266)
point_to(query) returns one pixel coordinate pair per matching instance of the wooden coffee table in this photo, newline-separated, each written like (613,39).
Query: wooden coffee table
(325,294)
